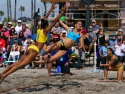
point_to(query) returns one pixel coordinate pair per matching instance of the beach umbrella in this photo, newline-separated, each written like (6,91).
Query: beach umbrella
(87,21)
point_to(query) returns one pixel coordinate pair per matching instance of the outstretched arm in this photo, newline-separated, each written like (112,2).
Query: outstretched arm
(56,19)
(65,26)
(52,7)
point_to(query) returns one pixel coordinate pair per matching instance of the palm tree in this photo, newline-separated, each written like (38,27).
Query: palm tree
(22,9)
(15,11)
(31,9)
(10,10)
(1,14)
(34,6)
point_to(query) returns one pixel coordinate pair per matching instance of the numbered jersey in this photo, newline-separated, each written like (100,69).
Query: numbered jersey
(40,36)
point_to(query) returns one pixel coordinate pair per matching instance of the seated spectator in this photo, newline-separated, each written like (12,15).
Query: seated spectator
(64,34)
(21,36)
(50,37)
(11,43)
(15,48)
(114,65)
(112,41)
(6,32)
(103,55)
(12,31)
(88,43)
(56,29)
(25,31)
(119,50)
(19,26)
(2,43)
(92,34)
(9,26)
(63,62)
(3,37)
(83,30)
(27,42)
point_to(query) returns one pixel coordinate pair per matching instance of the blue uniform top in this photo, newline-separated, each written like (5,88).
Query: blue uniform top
(64,59)
(75,37)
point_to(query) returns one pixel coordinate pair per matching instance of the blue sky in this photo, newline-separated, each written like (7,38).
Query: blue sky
(25,3)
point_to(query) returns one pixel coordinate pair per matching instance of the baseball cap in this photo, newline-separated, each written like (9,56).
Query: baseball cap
(120,30)
(1,23)
(19,21)
(64,31)
(93,20)
(12,27)
(15,33)
(29,36)
(119,39)
(9,22)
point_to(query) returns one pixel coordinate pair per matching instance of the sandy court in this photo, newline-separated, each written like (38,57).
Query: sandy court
(35,81)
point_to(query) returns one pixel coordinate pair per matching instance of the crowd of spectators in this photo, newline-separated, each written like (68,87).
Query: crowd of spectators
(19,38)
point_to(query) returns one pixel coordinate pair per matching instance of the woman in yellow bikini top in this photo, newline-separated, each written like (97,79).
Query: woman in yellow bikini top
(33,50)
(40,36)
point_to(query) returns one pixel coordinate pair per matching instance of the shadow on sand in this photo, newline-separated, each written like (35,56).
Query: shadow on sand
(48,86)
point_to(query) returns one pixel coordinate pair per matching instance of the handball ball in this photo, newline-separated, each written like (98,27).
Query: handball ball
(63,18)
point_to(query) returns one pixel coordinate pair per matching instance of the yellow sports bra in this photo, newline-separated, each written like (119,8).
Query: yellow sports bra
(40,37)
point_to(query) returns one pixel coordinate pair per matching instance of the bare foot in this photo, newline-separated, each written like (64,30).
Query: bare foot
(1,78)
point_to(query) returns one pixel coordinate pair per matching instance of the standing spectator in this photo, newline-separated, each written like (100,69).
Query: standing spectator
(95,27)
(101,38)
(103,54)
(1,26)
(19,26)
(9,26)
(56,29)
(25,30)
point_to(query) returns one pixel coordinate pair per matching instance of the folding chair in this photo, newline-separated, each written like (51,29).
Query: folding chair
(13,54)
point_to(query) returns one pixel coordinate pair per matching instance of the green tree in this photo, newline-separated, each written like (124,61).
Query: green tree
(22,9)
(1,14)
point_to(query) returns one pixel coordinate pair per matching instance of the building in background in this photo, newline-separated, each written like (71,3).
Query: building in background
(109,13)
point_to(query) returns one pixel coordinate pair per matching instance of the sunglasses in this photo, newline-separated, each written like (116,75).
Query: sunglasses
(90,28)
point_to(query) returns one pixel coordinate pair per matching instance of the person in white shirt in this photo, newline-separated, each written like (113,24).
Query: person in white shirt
(19,26)
(119,49)
(27,42)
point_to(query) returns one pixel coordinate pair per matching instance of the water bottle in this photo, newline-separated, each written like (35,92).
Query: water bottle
(58,69)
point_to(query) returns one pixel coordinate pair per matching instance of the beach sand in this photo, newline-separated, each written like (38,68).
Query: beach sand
(35,81)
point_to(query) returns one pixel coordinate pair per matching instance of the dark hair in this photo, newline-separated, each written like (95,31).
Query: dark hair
(111,50)
(44,23)
(101,30)
(24,25)
(77,21)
